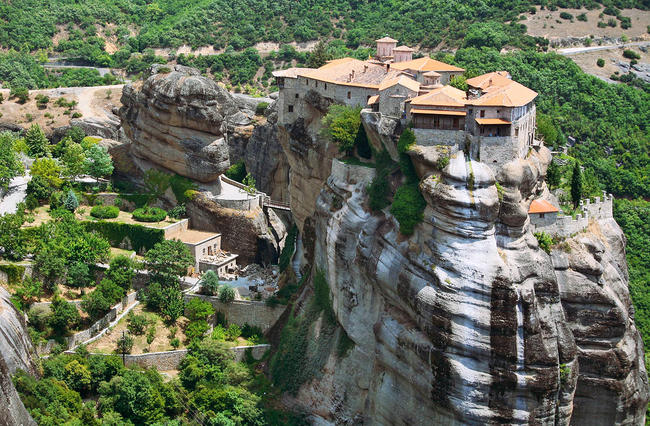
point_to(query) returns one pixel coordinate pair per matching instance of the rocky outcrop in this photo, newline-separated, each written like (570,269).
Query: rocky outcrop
(467,321)
(16,352)
(177,120)
(244,232)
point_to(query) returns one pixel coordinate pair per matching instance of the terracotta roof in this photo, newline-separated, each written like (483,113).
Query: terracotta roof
(446,96)
(485,121)
(542,206)
(425,64)
(437,112)
(403,49)
(386,40)
(290,72)
(403,80)
(489,79)
(431,74)
(499,90)
(340,71)
(373,100)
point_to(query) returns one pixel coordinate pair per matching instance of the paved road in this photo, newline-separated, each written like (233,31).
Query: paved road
(16,193)
(576,50)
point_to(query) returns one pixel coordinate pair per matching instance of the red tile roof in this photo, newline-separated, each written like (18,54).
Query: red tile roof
(542,206)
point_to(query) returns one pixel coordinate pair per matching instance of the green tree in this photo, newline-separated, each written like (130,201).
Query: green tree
(167,261)
(121,272)
(173,304)
(74,160)
(78,275)
(124,345)
(134,396)
(98,162)
(198,309)
(459,82)
(226,294)
(576,184)
(10,165)
(318,56)
(553,175)
(12,239)
(341,125)
(48,169)
(20,93)
(77,376)
(70,201)
(37,144)
(210,283)
(65,316)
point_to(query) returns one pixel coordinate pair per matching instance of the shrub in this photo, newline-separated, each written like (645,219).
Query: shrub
(136,324)
(78,275)
(442,162)
(149,214)
(180,186)
(151,334)
(164,70)
(600,62)
(631,54)
(141,237)
(261,107)
(545,241)
(408,207)
(196,330)
(237,171)
(105,212)
(226,294)
(289,247)
(406,141)
(42,100)
(76,114)
(20,93)
(251,330)
(582,17)
(198,309)
(178,211)
(566,15)
(71,202)
(611,22)
(175,342)
(233,332)
(210,283)
(124,344)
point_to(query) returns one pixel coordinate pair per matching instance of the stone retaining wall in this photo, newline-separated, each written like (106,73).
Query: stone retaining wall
(170,360)
(93,330)
(242,312)
(352,173)
(565,226)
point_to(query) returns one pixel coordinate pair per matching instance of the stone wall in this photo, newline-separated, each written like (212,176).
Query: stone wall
(601,208)
(431,137)
(351,173)
(170,360)
(175,229)
(566,226)
(93,330)
(242,312)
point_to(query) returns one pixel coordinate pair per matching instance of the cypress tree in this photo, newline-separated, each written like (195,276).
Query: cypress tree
(576,184)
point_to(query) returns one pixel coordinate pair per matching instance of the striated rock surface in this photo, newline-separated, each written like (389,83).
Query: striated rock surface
(177,120)
(16,352)
(467,321)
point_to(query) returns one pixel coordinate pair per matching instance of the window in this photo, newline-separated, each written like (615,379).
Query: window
(297,96)
(316,83)
(471,111)
(541,215)
(349,95)
(290,108)
(325,86)
(456,123)
(516,131)
(482,113)
(498,111)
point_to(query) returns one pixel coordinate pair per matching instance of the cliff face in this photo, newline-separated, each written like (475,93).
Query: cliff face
(16,352)
(467,321)
(188,124)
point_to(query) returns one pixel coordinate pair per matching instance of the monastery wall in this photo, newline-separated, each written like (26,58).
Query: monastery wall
(242,312)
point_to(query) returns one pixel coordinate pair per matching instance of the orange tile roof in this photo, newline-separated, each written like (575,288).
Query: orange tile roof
(542,206)
(431,74)
(425,64)
(499,90)
(403,49)
(446,96)
(386,40)
(437,112)
(403,80)
(489,79)
(484,121)
(373,100)
(339,71)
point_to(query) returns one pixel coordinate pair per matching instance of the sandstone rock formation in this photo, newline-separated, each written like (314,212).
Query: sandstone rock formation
(467,321)
(177,120)
(185,123)
(16,352)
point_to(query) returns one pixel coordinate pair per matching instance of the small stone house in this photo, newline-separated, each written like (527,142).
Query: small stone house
(542,214)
